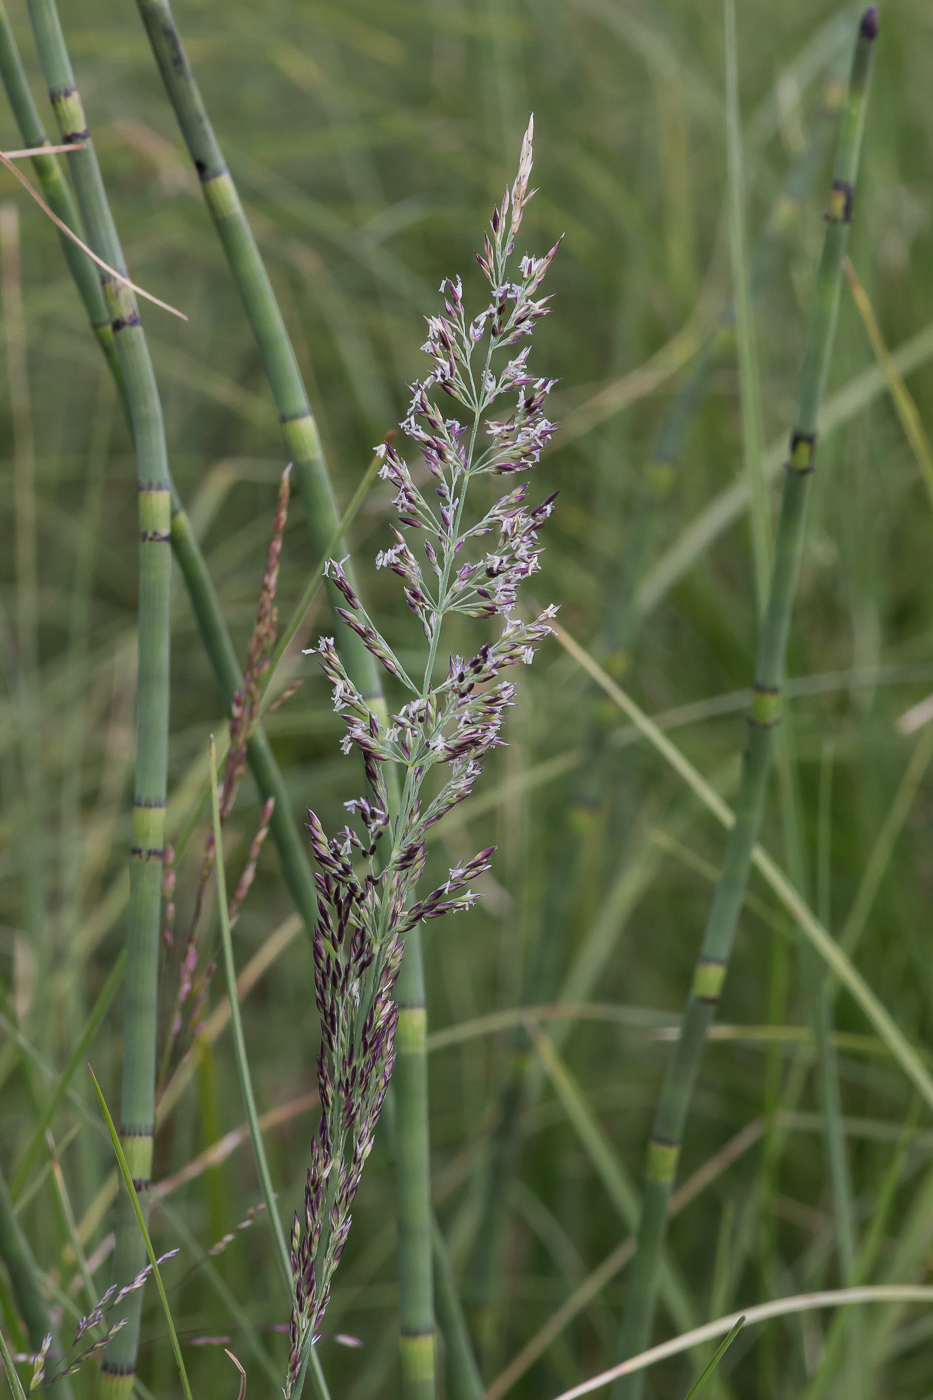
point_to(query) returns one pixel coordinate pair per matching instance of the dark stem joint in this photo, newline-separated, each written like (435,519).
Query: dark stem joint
(122,322)
(72,138)
(133,1130)
(147,853)
(294,417)
(802,452)
(209,172)
(113,1368)
(141,1184)
(154,537)
(840,203)
(771,723)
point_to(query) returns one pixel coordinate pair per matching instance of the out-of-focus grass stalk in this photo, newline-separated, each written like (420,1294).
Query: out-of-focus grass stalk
(907,411)
(749,378)
(246,1084)
(299,428)
(129,1181)
(141,981)
(709,976)
(25,1279)
(413,1178)
(32,831)
(55,189)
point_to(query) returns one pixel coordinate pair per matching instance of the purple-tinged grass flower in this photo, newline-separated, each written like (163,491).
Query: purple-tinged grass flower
(367,875)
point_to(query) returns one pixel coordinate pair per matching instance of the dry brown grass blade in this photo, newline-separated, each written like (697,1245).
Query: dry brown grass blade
(7,160)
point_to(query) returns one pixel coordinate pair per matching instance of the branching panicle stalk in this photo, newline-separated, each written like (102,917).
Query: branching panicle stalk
(368,919)
(712,963)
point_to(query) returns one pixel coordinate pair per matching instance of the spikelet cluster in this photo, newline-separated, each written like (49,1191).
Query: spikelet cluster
(368,873)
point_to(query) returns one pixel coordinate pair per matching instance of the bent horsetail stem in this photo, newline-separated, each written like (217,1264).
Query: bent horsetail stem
(214,633)
(712,963)
(299,428)
(141,980)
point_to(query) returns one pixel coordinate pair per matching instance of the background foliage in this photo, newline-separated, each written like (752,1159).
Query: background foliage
(369,142)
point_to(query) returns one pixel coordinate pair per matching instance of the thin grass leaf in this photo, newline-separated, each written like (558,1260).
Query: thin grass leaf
(91,1027)
(140,1218)
(763,1312)
(825,945)
(904,403)
(720,1352)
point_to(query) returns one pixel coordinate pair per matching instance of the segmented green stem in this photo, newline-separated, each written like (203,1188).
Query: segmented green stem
(27,1287)
(213,629)
(710,971)
(141,983)
(55,189)
(316,494)
(299,428)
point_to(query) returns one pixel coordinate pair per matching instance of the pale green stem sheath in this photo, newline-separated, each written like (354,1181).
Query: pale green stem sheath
(27,1288)
(299,428)
(142,945)
(710,972)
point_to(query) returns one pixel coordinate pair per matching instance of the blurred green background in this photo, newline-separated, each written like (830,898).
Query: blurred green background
(369,142)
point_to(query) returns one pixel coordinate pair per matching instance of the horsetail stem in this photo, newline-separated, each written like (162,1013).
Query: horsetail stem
(141,983)
(214,634)
(56,191)
(712,963)
(299,428)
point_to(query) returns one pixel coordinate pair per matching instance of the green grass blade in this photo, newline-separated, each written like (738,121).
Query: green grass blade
(829,950)
(239,1044)
(91,1027)
(12,1374)
(749,378)
(719,1353)
(141,1221)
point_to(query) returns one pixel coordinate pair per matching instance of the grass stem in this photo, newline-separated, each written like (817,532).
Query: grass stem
(710,971)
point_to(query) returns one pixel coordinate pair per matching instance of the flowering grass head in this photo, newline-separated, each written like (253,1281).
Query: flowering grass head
(450,561)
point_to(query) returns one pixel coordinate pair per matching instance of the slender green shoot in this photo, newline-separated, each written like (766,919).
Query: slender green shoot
(246,1084)
(12,1374)
(91,1027)
(829,950)
(141,1221)
(239,1045)
(749,378)
(907,410)
(719,1353)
